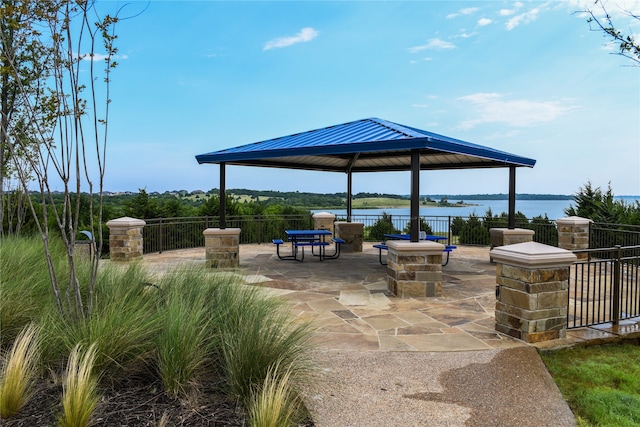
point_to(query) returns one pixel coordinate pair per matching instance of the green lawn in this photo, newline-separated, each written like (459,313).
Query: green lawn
(600,383)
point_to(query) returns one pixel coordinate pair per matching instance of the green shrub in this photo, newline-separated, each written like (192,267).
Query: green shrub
(382,226)
(474,232)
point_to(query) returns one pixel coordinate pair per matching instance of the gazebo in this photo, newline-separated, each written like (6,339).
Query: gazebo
(369,145)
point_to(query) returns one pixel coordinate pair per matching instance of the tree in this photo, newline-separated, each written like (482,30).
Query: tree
(63,126)
(628,44)
(24,65)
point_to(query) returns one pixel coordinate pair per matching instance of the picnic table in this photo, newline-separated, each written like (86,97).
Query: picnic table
(300,239)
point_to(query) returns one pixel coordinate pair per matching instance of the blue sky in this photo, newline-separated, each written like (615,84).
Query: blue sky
(524,77)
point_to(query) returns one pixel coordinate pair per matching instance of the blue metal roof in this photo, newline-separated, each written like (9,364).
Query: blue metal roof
(367,145)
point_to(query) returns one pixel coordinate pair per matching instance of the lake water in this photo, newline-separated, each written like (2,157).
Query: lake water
(554,209)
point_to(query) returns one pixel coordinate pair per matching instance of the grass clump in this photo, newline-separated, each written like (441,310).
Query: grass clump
(122,326)
(19,371)
(25,286)
(184,343)
(600,383)
(80,396)
(259,338)
(275,404)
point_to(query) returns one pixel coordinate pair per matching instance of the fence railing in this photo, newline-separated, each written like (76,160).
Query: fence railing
(602,235)
(605,287)
(163,234)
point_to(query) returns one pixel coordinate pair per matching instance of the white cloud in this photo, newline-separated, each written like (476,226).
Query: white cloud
(508,12)
(495,108)
(305,35)
(465,11)
(466,35)
(523,18)
(484,21)
(100,57)
(469,10)
(436,44)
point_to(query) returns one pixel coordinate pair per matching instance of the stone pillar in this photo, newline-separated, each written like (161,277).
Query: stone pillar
(222,247)
(533,290)
(324,221)
(573,234)
(414,269)
(352,233)
(125,239)
(506,236)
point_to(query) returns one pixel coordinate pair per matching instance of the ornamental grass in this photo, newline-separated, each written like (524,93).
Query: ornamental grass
(20,369)
(80,389)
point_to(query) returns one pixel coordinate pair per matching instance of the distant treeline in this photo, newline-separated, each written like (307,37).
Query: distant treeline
(504,196)
(363,195)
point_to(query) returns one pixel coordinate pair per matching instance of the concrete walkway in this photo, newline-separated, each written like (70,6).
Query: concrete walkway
(386,361)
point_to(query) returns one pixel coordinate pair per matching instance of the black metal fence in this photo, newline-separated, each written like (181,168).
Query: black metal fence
(163,234)
(603,235)
(604,288)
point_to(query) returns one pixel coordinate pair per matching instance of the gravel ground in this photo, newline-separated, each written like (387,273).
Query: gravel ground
(508,387)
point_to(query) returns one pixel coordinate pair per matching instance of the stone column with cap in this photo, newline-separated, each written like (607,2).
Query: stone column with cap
(222,247)
(414,269)
(352,233)
(573,234)
(125,239)
(532,291)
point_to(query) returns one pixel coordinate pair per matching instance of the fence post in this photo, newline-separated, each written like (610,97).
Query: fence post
(616,285)
(161,237)
(259,228)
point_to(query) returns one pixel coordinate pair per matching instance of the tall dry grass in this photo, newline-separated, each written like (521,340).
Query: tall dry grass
(80,389)
(20,369)
(275,403)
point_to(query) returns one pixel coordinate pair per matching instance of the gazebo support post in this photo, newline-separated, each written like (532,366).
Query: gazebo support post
(512,198)
(415,195)
(223,197)
(349,195)
(349,172)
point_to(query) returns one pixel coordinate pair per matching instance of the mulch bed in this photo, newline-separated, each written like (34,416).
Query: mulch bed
(136,403)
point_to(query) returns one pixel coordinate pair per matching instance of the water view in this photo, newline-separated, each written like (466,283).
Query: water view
(553,209)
